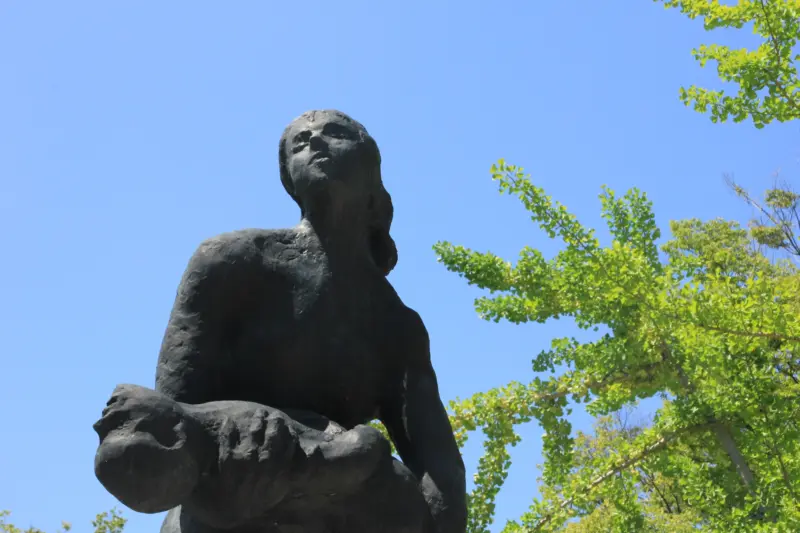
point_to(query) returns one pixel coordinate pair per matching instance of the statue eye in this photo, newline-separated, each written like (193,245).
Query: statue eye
(337,132)
(300,140)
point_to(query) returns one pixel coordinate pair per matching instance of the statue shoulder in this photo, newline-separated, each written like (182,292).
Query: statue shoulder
(241,247)
(221,251)
(234,254)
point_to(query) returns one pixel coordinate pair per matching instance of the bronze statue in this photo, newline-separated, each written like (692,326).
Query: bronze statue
(281,345)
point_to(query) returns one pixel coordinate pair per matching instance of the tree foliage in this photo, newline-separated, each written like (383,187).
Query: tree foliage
(706,322)
(765,77)
(664,505)
(107,522)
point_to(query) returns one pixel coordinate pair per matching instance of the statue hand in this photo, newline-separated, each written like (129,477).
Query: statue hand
(344,462)
(144,459)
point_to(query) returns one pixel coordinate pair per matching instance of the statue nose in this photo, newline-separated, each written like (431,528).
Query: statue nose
(317,143)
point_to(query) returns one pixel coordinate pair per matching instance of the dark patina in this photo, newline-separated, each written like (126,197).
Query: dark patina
(281,345)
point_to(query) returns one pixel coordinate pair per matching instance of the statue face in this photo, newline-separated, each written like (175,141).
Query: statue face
(326,153)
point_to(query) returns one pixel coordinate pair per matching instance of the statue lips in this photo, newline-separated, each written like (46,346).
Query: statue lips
(320,158)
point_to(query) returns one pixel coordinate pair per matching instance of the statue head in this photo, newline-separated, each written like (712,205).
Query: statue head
(326,156)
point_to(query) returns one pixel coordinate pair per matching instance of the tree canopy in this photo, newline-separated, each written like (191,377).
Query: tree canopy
(706,321)
(764,77)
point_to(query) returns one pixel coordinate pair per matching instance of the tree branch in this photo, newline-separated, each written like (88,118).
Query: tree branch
(722,432)
(761,334)
(658,445)
(725,439)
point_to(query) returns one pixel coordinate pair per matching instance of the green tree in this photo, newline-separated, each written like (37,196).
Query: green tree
(765,77)
(108,522)
(707,322)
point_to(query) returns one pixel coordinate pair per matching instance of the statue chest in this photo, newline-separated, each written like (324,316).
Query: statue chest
(338,373)
(326,350)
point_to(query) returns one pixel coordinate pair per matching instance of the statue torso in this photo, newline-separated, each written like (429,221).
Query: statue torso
(308,333)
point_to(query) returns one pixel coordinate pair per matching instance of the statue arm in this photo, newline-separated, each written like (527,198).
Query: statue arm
(204,308)
(420,429)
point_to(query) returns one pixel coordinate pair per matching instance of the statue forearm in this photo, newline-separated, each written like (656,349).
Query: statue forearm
(446,497)
(424,438)
(436,462)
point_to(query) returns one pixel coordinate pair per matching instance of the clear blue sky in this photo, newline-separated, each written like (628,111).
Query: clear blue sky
(130,131)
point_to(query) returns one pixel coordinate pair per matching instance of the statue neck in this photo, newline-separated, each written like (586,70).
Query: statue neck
(341,228)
